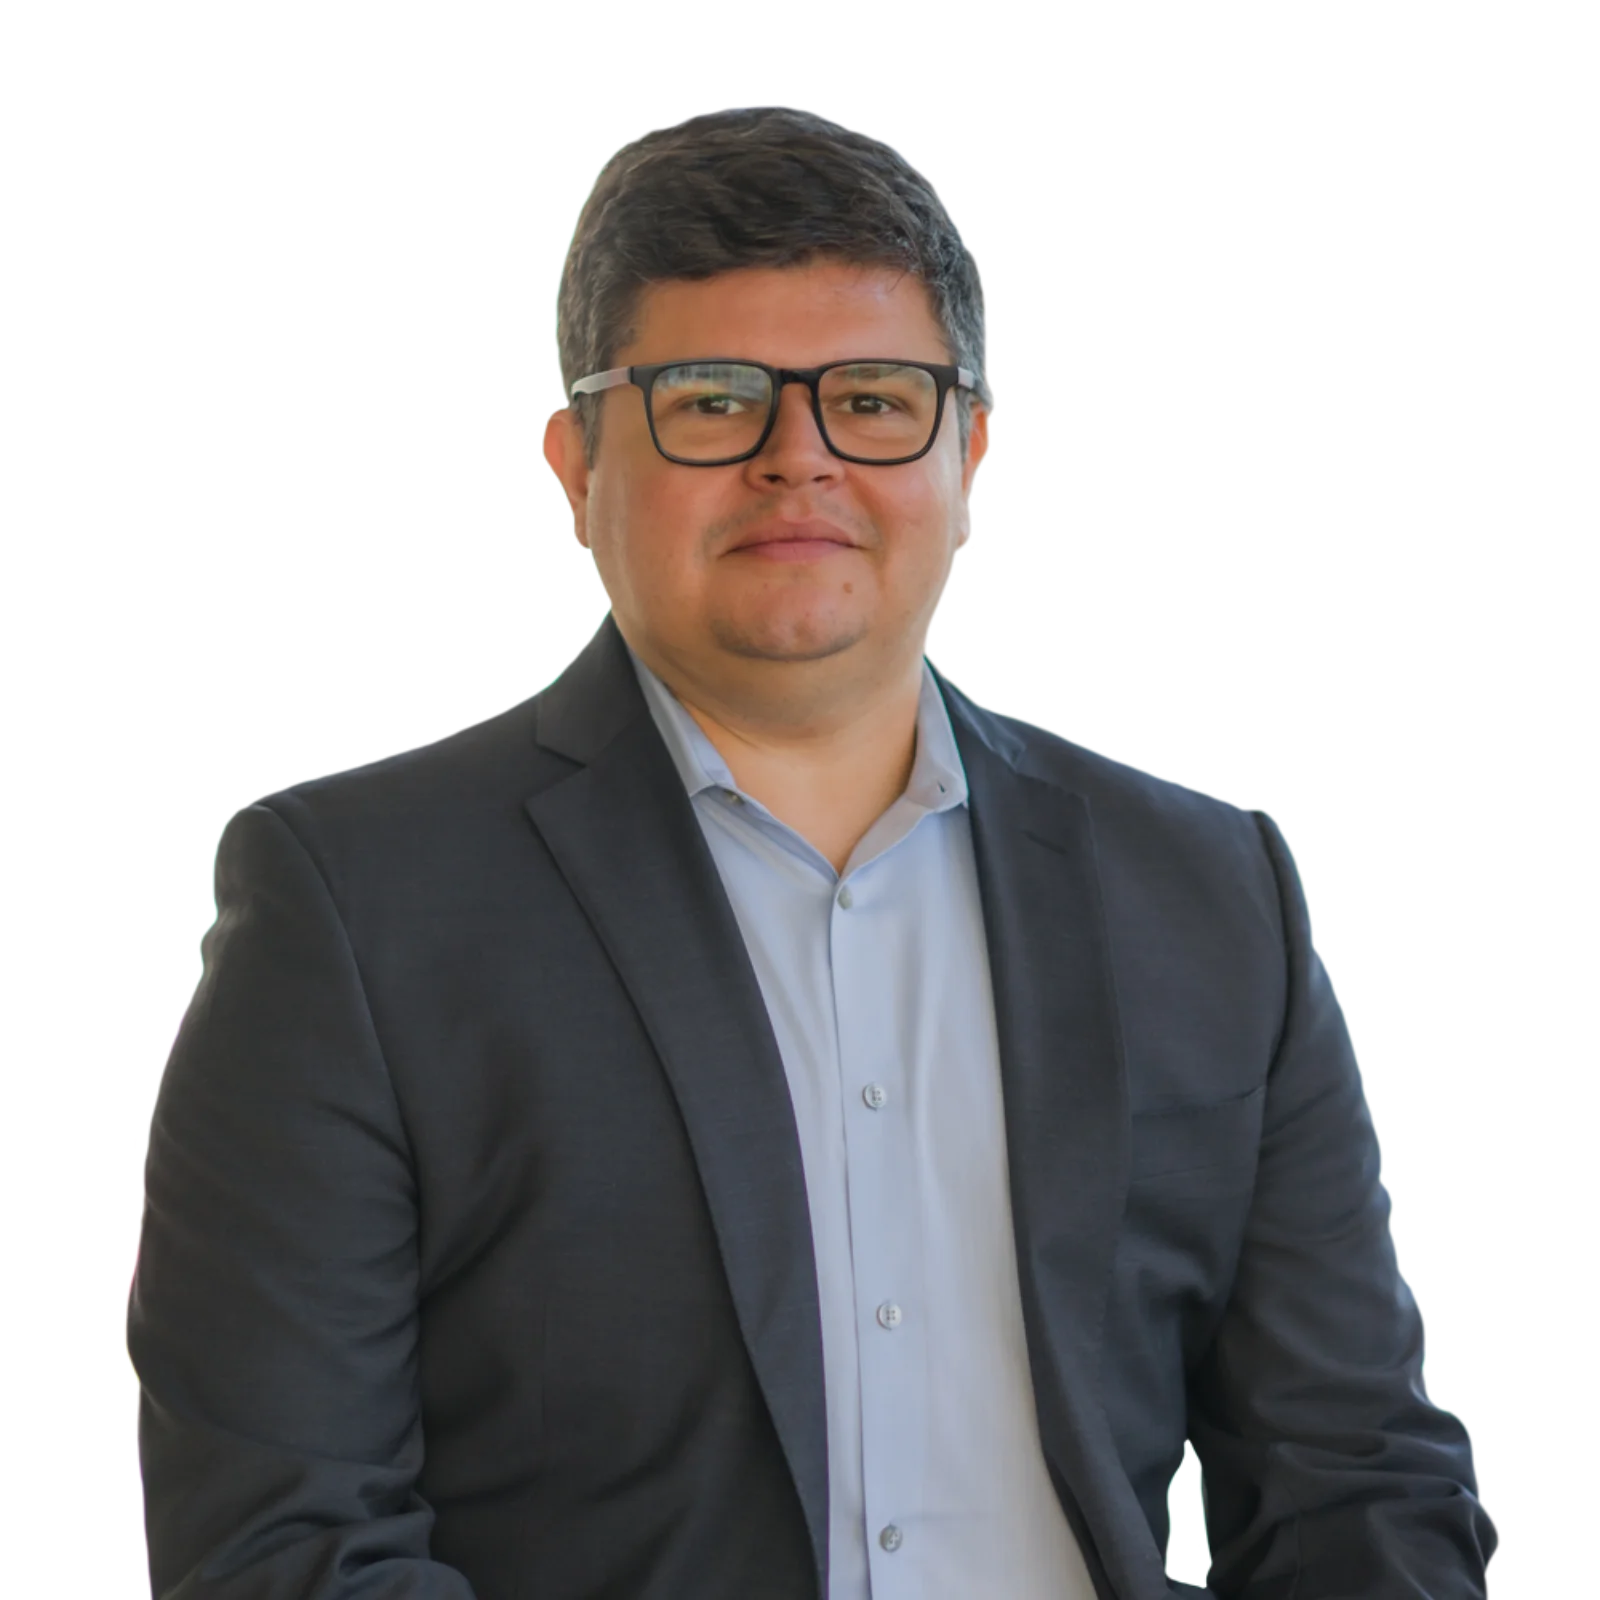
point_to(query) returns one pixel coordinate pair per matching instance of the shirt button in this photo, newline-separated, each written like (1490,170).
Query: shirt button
(875,1095)
(846,899)
(889,1314)
(891,1538)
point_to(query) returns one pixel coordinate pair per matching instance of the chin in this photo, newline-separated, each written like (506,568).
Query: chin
(794,638)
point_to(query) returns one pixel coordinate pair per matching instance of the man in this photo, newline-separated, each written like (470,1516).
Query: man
(749,1122)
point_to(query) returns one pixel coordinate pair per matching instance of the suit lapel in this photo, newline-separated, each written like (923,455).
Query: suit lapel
(1063,1077)
(625,838)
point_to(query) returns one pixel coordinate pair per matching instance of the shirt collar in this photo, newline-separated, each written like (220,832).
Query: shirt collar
(938,781)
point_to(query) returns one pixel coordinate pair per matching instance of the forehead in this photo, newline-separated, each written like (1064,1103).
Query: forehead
(787,316)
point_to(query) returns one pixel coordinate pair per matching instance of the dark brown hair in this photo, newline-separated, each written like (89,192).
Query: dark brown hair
(766,187)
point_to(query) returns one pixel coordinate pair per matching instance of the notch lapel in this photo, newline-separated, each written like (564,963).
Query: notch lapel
(625,838)
(1064,1082)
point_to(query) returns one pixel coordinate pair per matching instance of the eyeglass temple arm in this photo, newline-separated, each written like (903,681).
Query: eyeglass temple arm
(612,380)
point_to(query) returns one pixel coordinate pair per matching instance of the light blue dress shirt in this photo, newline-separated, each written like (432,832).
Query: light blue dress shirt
(877,984)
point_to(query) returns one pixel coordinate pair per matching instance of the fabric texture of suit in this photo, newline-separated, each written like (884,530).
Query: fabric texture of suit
(476,1259)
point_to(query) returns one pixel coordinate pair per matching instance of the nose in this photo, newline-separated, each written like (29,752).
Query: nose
(796,445)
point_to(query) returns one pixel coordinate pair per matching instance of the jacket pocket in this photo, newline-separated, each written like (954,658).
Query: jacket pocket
(1194,1138)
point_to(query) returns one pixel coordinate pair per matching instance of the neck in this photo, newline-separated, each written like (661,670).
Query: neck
(852,752)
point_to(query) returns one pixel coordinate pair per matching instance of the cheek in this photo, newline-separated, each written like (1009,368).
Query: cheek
(619,499)
(671,514)
(676,508)
(921,517)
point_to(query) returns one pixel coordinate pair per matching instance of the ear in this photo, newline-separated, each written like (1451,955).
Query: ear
(562,448)
(977,446)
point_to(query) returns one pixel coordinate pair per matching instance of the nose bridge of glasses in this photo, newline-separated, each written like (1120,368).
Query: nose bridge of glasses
(791,410)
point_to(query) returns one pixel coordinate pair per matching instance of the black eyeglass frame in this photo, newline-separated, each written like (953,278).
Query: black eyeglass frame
(643,378)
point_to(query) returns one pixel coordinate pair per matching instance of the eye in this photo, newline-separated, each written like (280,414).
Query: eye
(869,405)
(717,405)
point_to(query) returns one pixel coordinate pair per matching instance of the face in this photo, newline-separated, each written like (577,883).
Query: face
(792,561)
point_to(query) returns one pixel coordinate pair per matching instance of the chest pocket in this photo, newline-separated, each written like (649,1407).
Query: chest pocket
(1218,1136)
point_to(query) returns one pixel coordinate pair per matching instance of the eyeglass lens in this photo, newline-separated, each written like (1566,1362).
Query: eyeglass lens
(714,411)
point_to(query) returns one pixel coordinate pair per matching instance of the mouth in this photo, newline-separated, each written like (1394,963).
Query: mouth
(788,538)
(794,549)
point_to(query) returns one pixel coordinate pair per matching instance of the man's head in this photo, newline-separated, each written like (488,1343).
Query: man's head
(777,238)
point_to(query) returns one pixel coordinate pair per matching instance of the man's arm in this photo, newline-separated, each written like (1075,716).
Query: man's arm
(273,1320)
(1328,1474)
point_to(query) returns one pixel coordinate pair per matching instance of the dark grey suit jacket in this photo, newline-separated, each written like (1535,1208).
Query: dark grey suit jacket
(476,1257)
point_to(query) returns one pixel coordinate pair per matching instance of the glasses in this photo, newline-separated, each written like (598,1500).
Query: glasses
(713,413)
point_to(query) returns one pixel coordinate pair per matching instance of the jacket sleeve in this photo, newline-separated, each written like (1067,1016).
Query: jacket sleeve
(273,1320)
(1328,1474)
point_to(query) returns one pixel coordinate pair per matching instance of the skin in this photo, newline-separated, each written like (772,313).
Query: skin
(786,599)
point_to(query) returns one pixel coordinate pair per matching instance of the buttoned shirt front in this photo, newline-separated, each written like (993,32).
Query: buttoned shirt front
(876,981)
